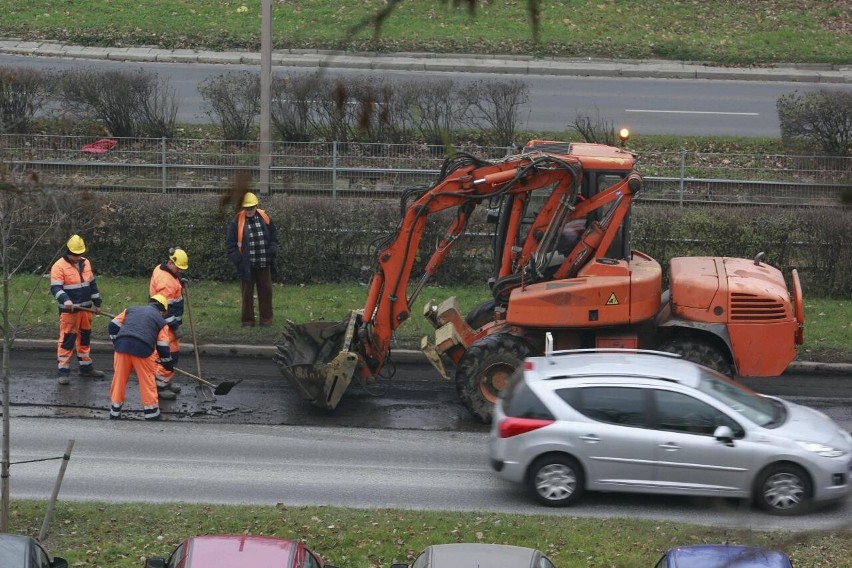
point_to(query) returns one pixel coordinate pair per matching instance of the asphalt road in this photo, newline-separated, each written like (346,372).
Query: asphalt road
(412,396)
(645,105)
(405,443)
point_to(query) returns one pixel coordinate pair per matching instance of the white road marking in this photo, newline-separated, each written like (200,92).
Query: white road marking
(692,112)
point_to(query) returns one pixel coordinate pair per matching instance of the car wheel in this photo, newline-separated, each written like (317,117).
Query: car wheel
(485,368)
(784,489)
(556,481)
(700,352)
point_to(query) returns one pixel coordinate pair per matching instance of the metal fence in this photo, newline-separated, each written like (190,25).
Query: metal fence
(350,169)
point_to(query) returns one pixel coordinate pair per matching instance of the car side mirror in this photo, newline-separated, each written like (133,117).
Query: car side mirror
(724,434)
(155,563)
(59,562)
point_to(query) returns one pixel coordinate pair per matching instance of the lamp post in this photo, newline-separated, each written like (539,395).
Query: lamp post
(265,94)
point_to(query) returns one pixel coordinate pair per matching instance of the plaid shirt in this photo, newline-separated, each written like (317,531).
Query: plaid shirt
(258,253)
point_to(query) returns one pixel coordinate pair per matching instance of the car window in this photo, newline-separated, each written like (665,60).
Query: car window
(756,408)
(177,557)
(522,402)
(614,405)
(678,412)
(543,562)
(311,561)
(40,557)
(422,560)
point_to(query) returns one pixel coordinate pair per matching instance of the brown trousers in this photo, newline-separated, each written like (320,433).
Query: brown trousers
(261,278)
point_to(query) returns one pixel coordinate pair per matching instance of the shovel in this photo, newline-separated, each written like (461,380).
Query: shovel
(199,389)
(222,388)
(92,310)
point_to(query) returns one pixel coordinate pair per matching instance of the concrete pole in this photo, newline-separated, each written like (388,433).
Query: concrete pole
(265,95)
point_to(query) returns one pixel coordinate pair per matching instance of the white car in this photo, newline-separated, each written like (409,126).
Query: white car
(650,422)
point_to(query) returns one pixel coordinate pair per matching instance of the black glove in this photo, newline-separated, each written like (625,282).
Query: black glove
(184,281)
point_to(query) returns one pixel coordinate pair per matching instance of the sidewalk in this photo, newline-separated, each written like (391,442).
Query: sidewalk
(521,65)
(398,355)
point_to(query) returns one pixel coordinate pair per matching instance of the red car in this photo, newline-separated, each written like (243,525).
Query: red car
(238,550)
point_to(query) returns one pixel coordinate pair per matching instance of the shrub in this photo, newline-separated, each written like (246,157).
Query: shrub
(233,100)
(23,93)
(128,103)
(818,122)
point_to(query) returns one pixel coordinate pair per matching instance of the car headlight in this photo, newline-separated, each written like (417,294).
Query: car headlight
(820,449)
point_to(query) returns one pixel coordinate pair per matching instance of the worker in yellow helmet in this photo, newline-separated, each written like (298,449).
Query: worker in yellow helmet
(252,245)
(168,280)
(73,285)
(137,334)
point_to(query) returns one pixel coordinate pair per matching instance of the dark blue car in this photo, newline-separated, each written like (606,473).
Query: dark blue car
(723,556)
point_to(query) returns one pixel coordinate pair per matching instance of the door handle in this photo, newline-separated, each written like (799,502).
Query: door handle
(670,446)
(591,438)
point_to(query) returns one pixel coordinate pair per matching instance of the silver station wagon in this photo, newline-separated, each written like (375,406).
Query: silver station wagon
(650,422)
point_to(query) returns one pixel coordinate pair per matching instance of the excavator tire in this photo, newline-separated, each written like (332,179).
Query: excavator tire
(701,352)
(481,314)
(485,369)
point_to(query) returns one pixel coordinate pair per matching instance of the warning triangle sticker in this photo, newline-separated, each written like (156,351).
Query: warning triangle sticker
(612,301)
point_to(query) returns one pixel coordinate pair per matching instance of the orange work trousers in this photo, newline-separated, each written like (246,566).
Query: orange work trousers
(163,374)
(122,365)
(75,334)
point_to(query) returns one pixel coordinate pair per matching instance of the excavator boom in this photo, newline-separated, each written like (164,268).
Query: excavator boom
(321,359)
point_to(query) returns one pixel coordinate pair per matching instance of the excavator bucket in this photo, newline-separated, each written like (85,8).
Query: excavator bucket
(316,358)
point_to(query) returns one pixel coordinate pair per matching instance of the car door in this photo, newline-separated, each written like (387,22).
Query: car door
(615,444)
(690,460)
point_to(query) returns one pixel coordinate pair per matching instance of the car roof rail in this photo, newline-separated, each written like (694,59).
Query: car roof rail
(549,352)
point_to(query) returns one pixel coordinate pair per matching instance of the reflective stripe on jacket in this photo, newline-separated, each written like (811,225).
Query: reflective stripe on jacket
(75,282)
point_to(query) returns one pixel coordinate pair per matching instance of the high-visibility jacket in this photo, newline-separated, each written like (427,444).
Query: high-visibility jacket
(75,282)
(139,331)
(164,282)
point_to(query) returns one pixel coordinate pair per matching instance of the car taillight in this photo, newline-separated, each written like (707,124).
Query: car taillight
(514,426)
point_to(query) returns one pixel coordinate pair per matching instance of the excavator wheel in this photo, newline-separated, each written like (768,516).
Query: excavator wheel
(701,352)
(481,314)
(485,369)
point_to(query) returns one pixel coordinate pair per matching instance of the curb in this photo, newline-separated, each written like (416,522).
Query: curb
(398,355)
(437,62)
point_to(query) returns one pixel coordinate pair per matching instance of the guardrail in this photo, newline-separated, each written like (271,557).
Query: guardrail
(340,169)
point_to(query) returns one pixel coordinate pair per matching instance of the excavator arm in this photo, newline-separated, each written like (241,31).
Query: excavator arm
(322,358)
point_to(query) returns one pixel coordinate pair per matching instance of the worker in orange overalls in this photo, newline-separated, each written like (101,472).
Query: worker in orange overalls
(168,281)
(138,333)
(72,283)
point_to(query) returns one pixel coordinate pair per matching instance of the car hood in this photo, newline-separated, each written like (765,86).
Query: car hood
(811,425)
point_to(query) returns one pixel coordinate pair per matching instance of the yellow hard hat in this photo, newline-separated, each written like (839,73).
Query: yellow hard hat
(179,257)
(250,199)
(160,299)
(76,245)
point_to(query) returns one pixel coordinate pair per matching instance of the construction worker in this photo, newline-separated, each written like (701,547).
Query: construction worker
(137,334)
(168,281)
(72,283)
(252,245)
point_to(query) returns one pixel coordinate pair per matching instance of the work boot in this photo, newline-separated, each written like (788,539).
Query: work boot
(174,388)
(90,371)
(64,376)
(165,393)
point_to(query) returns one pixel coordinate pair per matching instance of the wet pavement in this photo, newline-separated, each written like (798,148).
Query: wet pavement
(410,396)
(414,397)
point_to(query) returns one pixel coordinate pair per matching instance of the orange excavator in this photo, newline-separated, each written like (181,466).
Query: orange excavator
(563,270)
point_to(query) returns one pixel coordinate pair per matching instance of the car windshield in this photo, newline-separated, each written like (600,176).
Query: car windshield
(756,408)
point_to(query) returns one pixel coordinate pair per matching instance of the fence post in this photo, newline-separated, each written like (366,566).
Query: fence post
(163,163)
(682,174)
(334,170)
